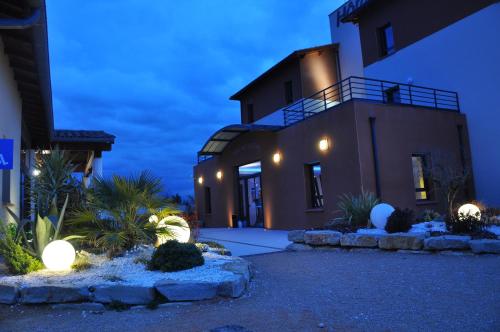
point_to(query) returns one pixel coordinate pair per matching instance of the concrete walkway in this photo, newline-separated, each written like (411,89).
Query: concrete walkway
(247,241)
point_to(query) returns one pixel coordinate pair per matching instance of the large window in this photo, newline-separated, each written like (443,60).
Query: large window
(314,184)
(288,92)
(386,40)
(208,200)
(420,180)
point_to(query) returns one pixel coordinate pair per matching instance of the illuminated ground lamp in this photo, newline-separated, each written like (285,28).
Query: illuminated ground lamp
(467,210)
(379,215)
(277,158)
(324,144)
(219,175)
(36,172)
(180,231)
(58,255)
(200,180)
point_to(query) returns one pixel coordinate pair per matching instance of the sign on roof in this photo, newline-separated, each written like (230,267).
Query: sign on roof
(6,153)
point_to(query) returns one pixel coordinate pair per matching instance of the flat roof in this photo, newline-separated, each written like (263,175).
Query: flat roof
(294,55)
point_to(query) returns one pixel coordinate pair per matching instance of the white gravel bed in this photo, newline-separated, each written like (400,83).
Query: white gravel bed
(123,271)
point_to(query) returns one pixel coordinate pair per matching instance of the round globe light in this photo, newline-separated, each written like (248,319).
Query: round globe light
(58,255)
(379,215)
(181,233)
(469,210)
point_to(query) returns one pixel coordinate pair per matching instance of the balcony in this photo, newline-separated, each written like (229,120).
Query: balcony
(359,88)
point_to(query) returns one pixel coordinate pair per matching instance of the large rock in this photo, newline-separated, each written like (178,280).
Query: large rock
(175,290)
(401,241)
(123,293)
(234,287)
(8,294)
(485,246)
(296,236)
(53,294)
(322,238)
(299,247)
(359,240)
(239,266)
(447,242)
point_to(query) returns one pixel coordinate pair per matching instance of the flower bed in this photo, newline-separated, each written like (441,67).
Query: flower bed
(420,237)
(126,279)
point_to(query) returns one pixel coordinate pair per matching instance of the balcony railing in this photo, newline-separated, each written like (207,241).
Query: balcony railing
(373,90)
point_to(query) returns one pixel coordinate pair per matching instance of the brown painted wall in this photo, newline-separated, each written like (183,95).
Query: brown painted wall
(411,21)
(346,167)
(318,71)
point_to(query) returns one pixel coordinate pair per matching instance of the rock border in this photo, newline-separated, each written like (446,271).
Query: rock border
(129,294)
(303,240)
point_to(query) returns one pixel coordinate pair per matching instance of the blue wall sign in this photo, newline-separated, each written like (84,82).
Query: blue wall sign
(6,153)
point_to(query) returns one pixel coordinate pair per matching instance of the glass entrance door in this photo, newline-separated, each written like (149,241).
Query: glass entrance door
(250,195)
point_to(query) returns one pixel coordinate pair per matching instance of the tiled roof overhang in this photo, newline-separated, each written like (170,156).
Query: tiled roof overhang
(97,140)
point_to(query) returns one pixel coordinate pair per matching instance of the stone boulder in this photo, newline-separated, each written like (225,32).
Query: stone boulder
(239,266)
(359,240)
(404,241)
(53,294)
(447,242)
(485,246)
(234,287)
(322,238)
(127,294)
(296,236)
(8,294)
(176,290)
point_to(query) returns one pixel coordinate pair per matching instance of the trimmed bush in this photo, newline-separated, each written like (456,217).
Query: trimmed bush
(399,221)
(465,224)
(18,261)
(175,256)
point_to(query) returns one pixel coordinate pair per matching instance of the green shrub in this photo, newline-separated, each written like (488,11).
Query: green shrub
(399,221)
(428,215)
(465,224)
(175,256)
(356,209)
(18,261)
(82,262)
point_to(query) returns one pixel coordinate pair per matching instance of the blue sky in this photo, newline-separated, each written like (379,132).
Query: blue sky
(158,74)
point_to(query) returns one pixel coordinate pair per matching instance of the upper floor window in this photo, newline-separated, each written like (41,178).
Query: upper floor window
(250,114)
(314,184)
(386,39)
(288,92)
(420,180)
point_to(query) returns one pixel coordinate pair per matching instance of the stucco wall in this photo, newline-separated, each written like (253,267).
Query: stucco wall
(10,127)
(463,57)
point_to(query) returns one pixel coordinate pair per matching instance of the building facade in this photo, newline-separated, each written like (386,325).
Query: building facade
(448,44)
(26,118)
(308,135)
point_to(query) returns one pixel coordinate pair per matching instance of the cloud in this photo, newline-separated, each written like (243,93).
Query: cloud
(158,74)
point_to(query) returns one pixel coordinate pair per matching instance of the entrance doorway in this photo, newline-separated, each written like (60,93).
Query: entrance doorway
(250,195)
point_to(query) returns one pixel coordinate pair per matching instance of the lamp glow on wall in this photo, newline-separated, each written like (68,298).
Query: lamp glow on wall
(277,158)
(219,175)
(324,144)
(467,210)
(200,180)
(58,255)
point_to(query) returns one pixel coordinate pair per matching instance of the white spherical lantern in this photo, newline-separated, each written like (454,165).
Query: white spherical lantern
(379,215)
(180,233)
(469,210)
(58,255)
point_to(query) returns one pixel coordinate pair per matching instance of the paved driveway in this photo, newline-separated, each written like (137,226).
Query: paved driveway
(247,241)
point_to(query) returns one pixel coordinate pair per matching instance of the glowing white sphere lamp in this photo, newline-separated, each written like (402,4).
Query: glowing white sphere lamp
(180,233)
(469,210)
(58,255)
(379,215)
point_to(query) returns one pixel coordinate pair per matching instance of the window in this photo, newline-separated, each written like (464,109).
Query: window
(386,40)
(250,115)
(420,180)
(288,92)
(392,95)
(315,187)
(208,200)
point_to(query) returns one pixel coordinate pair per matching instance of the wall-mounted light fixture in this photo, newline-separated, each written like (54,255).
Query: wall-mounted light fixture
(324,144)
(200,180)
(219,175)
(277,158)
(36,172)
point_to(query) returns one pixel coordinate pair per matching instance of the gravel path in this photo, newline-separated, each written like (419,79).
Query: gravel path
(345,291)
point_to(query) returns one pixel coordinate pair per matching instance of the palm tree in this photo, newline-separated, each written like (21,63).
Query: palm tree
(119,213)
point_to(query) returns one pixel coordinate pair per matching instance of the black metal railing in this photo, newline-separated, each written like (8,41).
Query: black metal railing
(355,87)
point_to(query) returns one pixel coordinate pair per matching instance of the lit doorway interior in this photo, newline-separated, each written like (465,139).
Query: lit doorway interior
(250,195)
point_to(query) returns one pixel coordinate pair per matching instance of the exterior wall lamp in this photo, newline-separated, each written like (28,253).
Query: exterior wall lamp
(219,175)
(277,158)
(200,180)
(324,144)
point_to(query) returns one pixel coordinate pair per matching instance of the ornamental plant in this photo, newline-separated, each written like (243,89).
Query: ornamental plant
(356,209)
(17,259)
(399,221)
(175,256)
